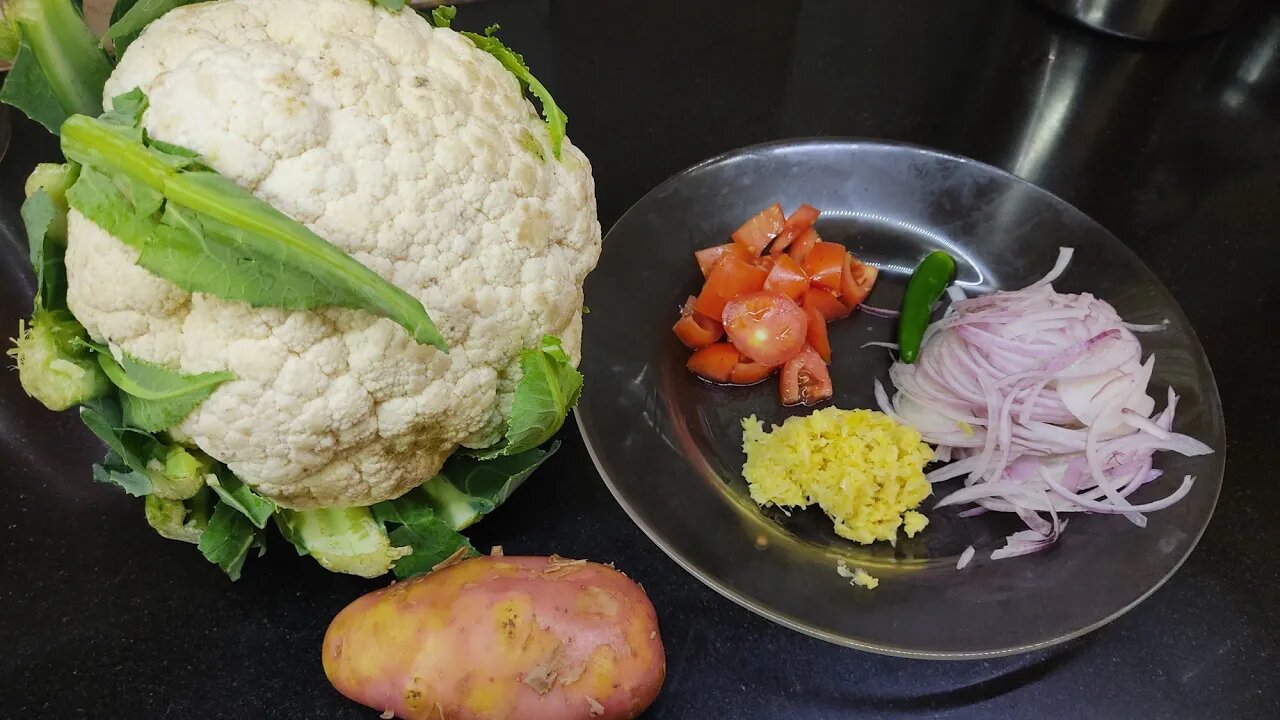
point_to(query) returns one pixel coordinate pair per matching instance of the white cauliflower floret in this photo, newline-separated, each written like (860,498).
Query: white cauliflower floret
(407,147)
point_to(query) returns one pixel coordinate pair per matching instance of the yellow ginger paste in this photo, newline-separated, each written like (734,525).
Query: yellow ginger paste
(862,468)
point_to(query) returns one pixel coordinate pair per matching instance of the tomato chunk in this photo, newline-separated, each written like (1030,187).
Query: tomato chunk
(750,373)
(827,304)
(799,250)
(787,278)
(714,362)
(824,264)
(817,334)
(761,229)
(708,257)
(766,327)
(696,330)
(765,263)
(805,379)
(799,221)
(730,278)
(856,281)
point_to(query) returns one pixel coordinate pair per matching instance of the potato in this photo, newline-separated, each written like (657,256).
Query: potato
(501,638)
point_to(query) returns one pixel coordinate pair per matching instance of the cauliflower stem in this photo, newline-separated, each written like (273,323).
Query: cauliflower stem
(60,68)
(8,37)
(54,365)
(54,179)
(182,520)
(44,213)
(345,540)
(428,519)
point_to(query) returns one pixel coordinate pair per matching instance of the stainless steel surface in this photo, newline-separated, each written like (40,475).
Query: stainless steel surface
(1151,19)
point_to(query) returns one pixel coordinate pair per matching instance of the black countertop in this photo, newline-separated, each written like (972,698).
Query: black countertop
(1175,148)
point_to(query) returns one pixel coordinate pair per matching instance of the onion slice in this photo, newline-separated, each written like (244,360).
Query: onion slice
(1039,400)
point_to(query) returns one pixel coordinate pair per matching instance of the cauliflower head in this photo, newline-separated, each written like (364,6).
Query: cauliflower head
(410,149)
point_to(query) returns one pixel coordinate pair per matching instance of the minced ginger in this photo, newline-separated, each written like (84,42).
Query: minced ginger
(863,469)
(857,576)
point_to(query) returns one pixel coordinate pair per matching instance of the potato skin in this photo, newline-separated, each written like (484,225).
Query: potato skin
(501,638)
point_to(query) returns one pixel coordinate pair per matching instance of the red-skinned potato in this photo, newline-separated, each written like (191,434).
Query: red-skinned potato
(501,638)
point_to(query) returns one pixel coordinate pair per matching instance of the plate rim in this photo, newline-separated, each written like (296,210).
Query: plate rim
(740,599)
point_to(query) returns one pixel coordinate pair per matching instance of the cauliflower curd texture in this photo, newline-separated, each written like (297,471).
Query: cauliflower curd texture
(410,149)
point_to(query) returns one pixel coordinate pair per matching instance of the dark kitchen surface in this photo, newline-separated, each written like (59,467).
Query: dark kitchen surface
(1175,148)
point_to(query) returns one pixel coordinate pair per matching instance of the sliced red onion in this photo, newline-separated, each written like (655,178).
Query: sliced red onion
(1143,442)
(1100,478)
(953,470)
(1026,542)
(965,558)
(1102,507)
(1033,519)
(981,490)
(1039,399)
(1059,267)
(1049,505)
(1145,424)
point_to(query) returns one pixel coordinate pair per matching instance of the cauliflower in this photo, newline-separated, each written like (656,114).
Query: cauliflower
(404,145)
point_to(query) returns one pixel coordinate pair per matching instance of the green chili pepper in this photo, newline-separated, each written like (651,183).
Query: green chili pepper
(930,279)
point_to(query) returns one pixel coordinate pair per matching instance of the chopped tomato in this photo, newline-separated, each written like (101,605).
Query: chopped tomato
(761,229)
(708,257)
(827,304)
(763,313)
(787,277)
(730,278)
(856,281)
(824,264)
(714,362)
(805,379)
(802,219)
(799,249)
(696,330)
(766,327)
(750,373)
(817,334)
